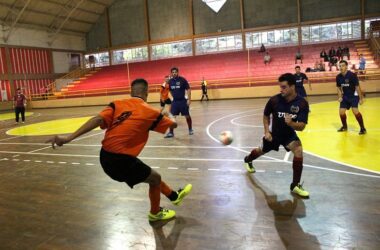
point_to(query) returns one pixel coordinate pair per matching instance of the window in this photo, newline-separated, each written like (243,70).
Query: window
(332,31)
(281,37)
(367,24)
(101,59)
(130,55)
(176,49)
(220,43)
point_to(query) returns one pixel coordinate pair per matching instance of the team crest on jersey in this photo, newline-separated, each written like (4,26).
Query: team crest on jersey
(294,109)
(178,83)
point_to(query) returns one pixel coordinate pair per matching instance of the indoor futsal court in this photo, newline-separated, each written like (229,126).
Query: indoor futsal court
(61,199)
(240,76)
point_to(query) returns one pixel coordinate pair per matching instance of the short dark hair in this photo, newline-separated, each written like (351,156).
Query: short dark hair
(139,81)
(289,77)
(174,68)
(343,61)
(297,67)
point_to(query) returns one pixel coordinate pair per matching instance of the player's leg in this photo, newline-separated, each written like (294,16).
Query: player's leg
(174,110)
(185,112)
(343,119)
(296,187)
(257,152)
(23,114)
(359,118)
(17,113)
(342,114)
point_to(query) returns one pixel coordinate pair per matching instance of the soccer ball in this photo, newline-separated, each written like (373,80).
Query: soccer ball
(226,138)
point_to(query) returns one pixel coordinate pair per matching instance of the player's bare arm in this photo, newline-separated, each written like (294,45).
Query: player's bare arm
(171,117)
(298,126)
(189,96)
(94,122)
(361,98)
(340,94)
(267,134)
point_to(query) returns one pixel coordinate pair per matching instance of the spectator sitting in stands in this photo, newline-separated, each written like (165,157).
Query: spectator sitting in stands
(299,56)
(321,66)
(339,53)
(267,58)
(333,62)
(362,63)
(332,53)
(346,52)
(262,48)
(324,55)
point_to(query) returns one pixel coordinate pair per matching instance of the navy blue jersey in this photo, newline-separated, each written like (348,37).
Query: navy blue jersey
(299,79)
(347,83)
(178,86)
(277,106)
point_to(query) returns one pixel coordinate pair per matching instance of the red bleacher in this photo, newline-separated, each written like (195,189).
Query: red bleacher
(213,66)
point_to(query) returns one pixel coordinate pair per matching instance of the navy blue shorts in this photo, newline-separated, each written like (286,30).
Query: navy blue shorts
(349,102)
(301,91)
(277,141)
(180,107)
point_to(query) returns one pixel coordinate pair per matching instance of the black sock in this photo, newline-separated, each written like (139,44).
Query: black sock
(173,196)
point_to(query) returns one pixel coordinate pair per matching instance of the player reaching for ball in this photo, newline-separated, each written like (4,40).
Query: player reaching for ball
(127,123)
(289,113)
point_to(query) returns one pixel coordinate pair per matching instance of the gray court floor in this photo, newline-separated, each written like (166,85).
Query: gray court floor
(61,199)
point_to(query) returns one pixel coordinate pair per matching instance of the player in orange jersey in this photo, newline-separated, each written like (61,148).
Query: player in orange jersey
(164,94)
(127,123)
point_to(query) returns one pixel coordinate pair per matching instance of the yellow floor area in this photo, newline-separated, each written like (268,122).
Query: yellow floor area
(10,116)
(62,126)
(321,137)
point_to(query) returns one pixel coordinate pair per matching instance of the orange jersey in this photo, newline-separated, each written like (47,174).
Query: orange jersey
(164,91)
(128,123)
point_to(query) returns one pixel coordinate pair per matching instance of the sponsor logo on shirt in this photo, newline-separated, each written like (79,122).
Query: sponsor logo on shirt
(282,114)
(294,109)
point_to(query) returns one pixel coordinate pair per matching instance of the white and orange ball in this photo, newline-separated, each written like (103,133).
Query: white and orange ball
(226,137)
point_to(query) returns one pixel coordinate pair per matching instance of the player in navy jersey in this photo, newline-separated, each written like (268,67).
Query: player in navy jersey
(300,78)
(349,96)
(289,113)
(179,89)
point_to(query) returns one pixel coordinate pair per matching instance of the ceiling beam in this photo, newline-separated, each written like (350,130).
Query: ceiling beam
(46,13)
(46,28)
(98,2)
(13,22)
(70,10)
(80,9)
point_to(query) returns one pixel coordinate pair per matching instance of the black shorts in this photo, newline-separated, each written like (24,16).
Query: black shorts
(167,101)
(349,102)
(124,168)
(277,141)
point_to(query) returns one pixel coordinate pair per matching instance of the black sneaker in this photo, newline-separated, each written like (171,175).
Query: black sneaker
(342,129)
(362,131)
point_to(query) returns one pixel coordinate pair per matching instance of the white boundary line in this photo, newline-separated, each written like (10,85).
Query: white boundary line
(147,146)
(244,125)
(289,162)
(146,158)
(236,148)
